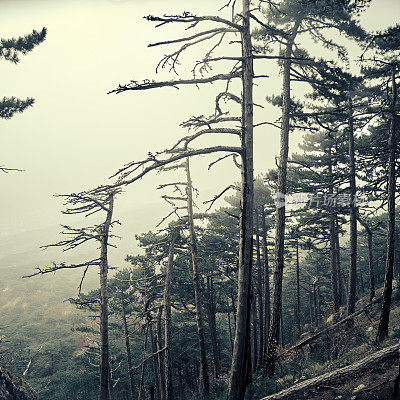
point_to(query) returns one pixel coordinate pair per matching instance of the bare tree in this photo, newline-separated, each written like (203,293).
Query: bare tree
(89,203)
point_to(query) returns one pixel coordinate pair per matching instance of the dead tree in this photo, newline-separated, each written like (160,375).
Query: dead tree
(89,203)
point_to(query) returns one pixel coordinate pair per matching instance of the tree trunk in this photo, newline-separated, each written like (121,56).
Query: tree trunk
(205,384)
(104,358)
(370,259)
(259,287)
(240,373)
(332,242)
(351,302)
(211,308)
(342,281)
(255,333)
(155,361)
(383,329)
(169,387)
(141,386)
(280,213)
(267,293)
(160,355)
(298,305)
(128,349)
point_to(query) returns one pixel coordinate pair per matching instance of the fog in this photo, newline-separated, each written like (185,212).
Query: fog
(77,135)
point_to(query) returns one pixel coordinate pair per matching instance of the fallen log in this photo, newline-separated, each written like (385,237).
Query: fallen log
(317,335)
(329,378)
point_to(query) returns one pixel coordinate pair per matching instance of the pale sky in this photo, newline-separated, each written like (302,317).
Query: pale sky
(76,135)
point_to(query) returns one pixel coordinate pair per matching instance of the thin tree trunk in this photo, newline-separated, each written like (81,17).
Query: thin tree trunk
(160,355)
(169,387)
(255,333)
(240,373)
(229,326)
(128,349)
(342,281)
(298,305)
(332,242)
(141,386)
(267,293)
(104,360)
(353,218)
(259,295)
(280,213)
(211,308)
(155,361)
(383,329)
(205,384)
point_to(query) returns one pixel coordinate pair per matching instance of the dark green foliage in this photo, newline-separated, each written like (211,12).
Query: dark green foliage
(12,105)
(10,49)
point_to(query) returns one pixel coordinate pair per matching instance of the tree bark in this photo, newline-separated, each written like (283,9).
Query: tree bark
(298,305)
(160,355)
(169,387)
(104,358)
(353,217)
(240,373)
(267,293)
(211,308)
(205,383)
(155,361)
(332,242)
(259,287)
(141,386)
(280,213)
(383,329)
(127,348)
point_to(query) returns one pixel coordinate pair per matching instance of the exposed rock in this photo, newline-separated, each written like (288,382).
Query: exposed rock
(13,389)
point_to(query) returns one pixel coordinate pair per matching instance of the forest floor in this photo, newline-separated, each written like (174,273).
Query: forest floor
(344,346)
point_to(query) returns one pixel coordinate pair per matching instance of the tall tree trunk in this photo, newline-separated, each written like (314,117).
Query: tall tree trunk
(353,217)
(141,385)
(155,361)
(104,358)
(255,333)
(342,281)
(169,387)
(332,241)
(383,329)
(240,373)
(267,293)
(205,384)
(127,348)
(259,287)
(211,309)
(298,305)
(229,325)
(160,355)
(280,213)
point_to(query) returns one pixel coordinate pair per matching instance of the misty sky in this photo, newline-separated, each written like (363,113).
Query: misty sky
(76,135)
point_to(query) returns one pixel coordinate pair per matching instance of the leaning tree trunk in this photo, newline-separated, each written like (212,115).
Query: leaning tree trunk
(205,383)
(240,373)
(127,348)
(351,302)
(280,213)
(383,329)
(104,358)
(155,359)
(169,392)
